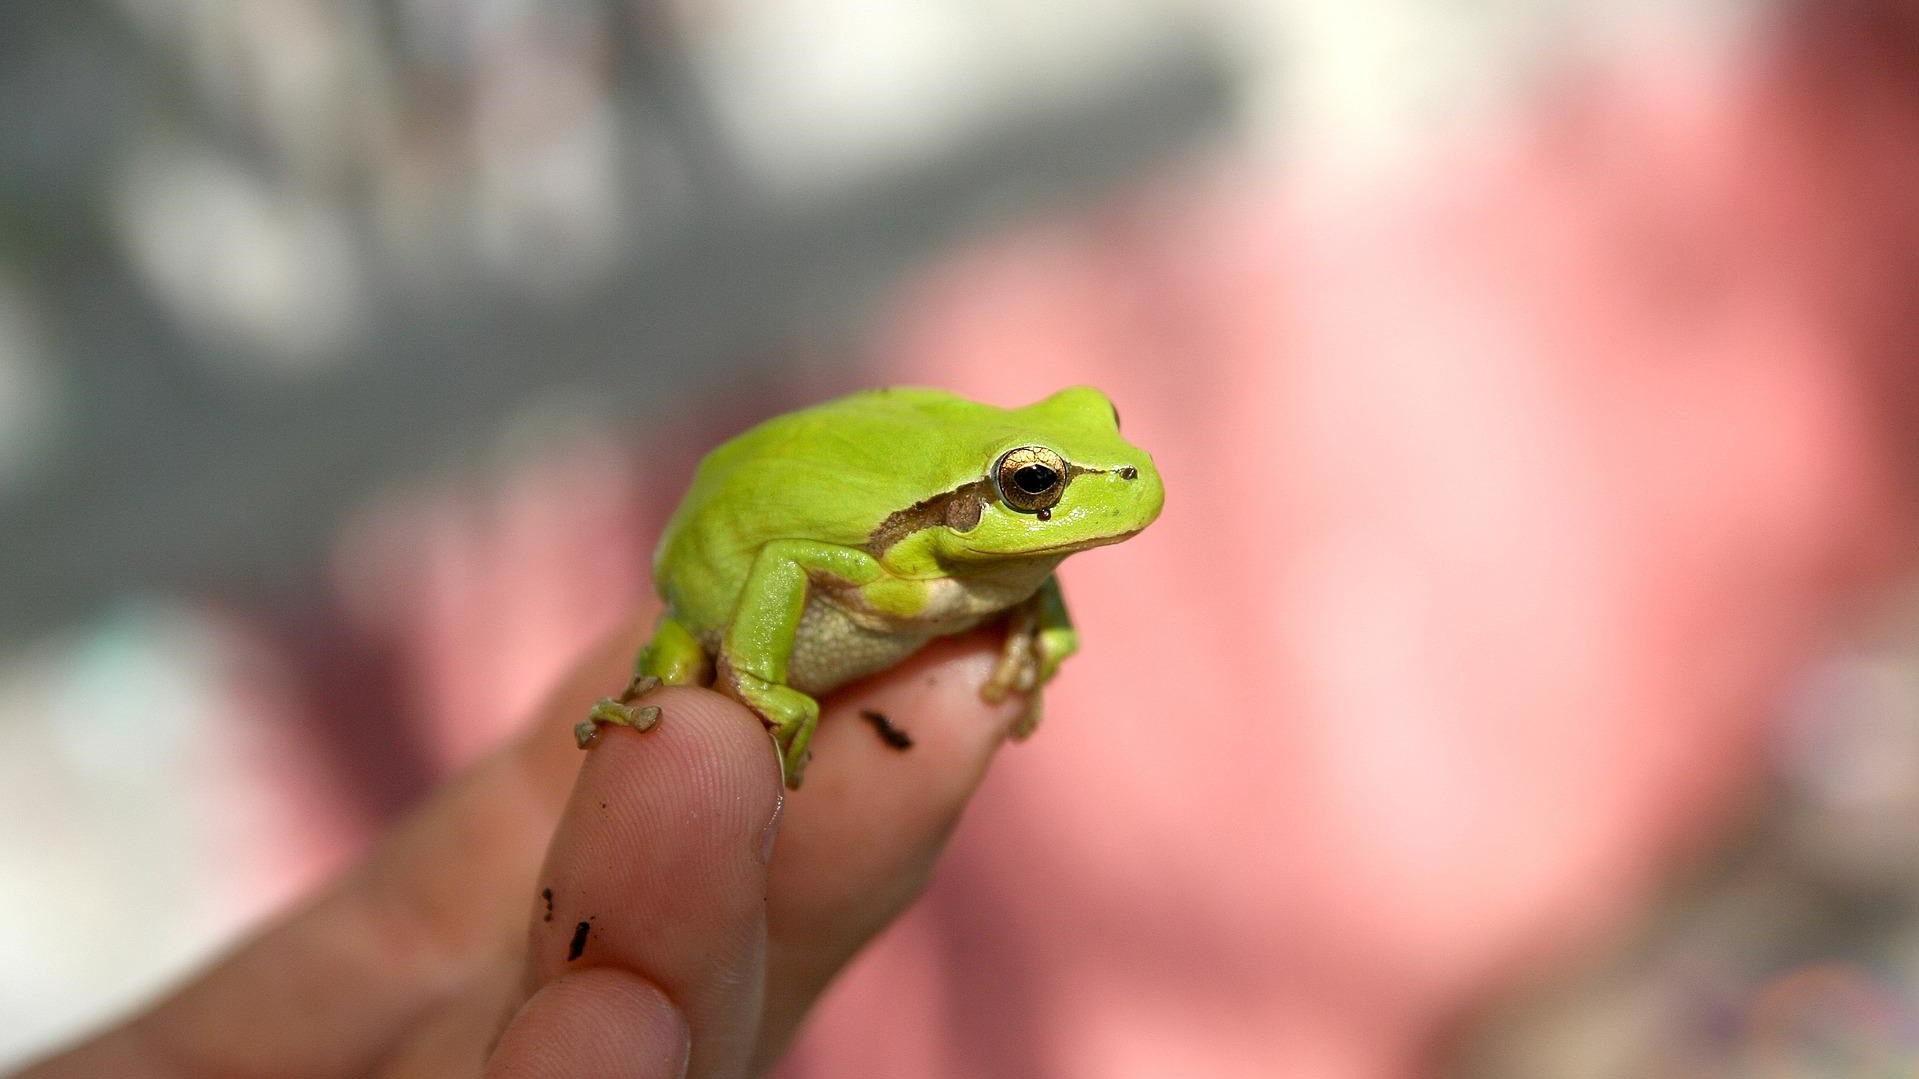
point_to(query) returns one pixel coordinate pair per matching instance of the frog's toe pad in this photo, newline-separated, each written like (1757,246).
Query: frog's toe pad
(609,711)
(641,685)
(1029,716)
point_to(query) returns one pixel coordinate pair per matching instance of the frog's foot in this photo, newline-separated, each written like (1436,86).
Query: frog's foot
(792,716)
(1021,669)
(1027,661)
(1018,669)
(620,712)
(1029,715)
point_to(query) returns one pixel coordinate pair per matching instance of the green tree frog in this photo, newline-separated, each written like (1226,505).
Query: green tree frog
(828,544)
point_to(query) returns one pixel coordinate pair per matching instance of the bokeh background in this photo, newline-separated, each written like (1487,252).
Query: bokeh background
(351,353)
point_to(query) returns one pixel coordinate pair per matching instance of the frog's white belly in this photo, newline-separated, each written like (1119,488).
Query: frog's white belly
(834,647)
(840,638)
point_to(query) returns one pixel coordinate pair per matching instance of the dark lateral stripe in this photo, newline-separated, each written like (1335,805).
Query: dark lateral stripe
(959,507)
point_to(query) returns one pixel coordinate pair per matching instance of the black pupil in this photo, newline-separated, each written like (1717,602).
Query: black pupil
(1035,479)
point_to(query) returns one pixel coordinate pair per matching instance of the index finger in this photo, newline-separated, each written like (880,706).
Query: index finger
(658,870)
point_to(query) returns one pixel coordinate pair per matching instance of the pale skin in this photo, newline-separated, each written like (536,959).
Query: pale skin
(641,925)
(830,543)
(433,956)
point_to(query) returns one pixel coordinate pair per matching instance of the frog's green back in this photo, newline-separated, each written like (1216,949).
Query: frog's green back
(829,473)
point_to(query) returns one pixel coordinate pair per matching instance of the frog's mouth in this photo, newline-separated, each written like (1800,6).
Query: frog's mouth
(1061,548)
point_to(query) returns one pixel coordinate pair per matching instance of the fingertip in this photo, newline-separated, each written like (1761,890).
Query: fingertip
(658,867)
(705,744)
(673,820)
(599,1022)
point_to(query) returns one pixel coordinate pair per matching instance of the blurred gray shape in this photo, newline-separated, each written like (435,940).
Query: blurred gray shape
(171,478)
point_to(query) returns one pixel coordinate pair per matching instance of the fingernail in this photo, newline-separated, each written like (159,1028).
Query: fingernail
(772,830)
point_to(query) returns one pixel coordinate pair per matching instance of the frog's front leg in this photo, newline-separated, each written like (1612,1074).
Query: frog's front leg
(1039,637)
(759,642)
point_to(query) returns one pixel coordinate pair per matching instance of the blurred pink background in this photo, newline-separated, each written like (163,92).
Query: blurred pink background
(1523,679)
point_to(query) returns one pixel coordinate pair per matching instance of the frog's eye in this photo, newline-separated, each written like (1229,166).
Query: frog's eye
(1030,479)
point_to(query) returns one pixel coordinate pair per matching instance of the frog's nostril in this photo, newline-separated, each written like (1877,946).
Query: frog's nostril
(1128,472)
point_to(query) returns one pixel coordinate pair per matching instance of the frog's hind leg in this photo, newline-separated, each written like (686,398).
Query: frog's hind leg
(672,657)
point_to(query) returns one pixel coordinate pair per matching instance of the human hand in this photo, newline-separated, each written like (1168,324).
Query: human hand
(680,938)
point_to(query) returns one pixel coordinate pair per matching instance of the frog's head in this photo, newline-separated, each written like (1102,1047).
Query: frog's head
(1057,479)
